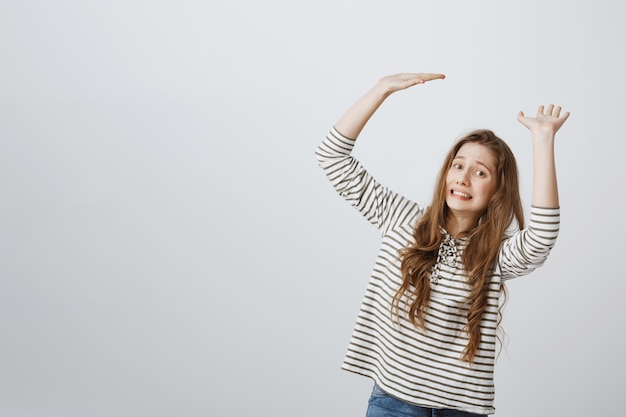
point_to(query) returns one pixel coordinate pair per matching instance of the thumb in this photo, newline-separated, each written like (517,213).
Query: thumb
(522,119)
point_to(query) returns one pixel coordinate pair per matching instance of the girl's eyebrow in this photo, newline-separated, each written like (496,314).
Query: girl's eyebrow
(478,162)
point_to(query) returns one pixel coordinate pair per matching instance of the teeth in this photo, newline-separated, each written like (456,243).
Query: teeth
(461,194)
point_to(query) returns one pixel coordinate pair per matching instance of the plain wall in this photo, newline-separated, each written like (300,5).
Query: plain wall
(169,247)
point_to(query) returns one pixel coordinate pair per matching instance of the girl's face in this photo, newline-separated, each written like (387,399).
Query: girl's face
(471,180)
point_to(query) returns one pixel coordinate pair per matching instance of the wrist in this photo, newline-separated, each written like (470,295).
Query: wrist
(382,89)
(543,136)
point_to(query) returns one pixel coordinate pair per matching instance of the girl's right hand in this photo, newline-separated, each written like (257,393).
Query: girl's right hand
(397,82)
(353,121)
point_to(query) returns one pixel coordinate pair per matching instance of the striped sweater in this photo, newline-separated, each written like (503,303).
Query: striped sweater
(416,366)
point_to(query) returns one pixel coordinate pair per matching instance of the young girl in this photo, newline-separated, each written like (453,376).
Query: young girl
(426,330)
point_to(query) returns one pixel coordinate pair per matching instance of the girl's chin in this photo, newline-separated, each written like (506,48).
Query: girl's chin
(458,204)
(462,207)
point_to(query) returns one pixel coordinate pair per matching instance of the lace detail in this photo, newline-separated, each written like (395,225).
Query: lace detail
(446,256)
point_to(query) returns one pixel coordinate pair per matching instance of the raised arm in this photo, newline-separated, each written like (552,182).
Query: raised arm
(354,120)
(543,128)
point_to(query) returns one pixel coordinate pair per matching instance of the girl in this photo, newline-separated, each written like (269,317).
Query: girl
(426,330)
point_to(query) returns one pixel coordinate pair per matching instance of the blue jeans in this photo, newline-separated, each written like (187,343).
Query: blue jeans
(382,404)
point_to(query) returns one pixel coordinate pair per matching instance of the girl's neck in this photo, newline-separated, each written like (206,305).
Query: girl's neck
(458,226)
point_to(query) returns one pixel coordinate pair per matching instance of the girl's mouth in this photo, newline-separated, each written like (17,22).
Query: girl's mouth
(461,194)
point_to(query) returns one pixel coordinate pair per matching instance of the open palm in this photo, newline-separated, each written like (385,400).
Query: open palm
(547,120)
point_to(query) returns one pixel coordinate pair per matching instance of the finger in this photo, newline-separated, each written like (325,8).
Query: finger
(556,111)
(431,76)
(550,109)
(565,116)
(540,110)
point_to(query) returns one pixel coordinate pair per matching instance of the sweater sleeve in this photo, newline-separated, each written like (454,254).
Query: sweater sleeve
(529,248)
(380,206)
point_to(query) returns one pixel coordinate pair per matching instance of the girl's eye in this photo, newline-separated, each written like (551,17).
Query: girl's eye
(480,173)
(457,166)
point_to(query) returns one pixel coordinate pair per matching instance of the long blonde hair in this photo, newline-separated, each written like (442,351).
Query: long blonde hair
(480,254)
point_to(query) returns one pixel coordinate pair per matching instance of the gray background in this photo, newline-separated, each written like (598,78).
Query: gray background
(168,246)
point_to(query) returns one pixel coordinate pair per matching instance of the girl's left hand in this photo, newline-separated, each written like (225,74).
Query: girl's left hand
(548,120)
